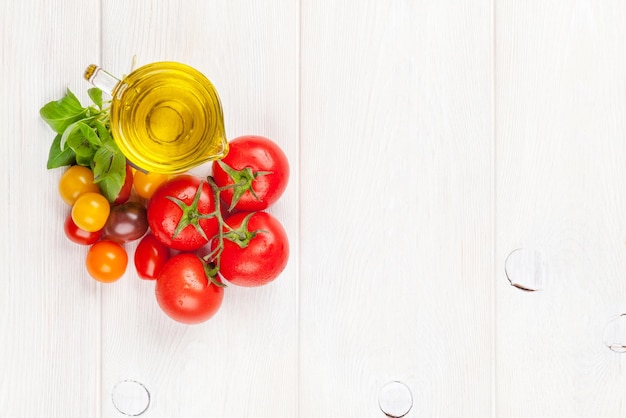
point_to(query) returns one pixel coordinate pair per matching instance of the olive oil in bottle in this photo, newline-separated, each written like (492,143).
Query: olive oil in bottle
(166,117)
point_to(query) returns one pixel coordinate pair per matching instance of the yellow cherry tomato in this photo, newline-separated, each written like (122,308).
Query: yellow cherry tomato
(145,184)
(91,211)
(76,180)
(106,261)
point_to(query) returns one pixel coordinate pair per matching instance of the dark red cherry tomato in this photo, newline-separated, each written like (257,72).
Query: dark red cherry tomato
(126,222)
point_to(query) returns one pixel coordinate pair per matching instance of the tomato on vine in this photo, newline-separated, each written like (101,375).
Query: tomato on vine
(181,213)
(253,175)
(187,291)
(253,249)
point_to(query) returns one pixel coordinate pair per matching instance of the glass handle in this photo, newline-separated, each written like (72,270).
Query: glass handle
(101,79)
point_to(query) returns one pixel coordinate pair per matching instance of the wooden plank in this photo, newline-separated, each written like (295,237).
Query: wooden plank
(396,206)
(560,149)
(243,362)
(49,308)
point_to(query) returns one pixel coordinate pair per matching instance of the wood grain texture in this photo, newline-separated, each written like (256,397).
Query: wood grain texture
(396,220)
(428,140)
(244,361)
(560,150)
(50,312)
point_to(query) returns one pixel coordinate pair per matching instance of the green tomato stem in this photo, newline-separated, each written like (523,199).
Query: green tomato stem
(240,236)
(215,255)
(242,180)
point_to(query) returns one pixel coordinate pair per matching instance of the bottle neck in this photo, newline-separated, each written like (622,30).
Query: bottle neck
(101,79)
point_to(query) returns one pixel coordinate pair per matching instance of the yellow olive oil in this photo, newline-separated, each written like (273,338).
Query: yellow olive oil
(166,117)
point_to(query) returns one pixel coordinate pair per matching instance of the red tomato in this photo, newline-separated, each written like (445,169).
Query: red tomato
(261,168)
(150,257)
(80,236)
(260,253)
(179,213)
(184,292)
(127,187)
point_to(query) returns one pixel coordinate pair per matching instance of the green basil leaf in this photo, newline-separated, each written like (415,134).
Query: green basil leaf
(81,146)
(90,134)
(109,169)
(96,96)
(81,129)
(101,164)
(118,165)
(71,130)
(84,156)
(103,131)
(111,145)
(107,162)
(62,113)
(57,157)
(84,137)
(111,185)
(71,100)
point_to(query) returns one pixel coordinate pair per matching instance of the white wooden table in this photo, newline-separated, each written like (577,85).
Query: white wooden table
(428,140)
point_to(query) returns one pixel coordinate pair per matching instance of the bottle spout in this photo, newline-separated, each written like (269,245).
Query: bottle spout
(101,79)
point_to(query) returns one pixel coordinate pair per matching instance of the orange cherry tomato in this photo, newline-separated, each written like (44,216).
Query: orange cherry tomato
(146,183)
(106,261)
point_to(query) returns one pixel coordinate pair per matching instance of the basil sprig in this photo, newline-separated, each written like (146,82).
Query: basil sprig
(84,138)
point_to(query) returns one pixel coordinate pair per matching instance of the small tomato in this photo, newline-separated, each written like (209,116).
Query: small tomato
(76,181)
(77,235)
(150,257)
(126,222)
(106,261)
(146,183)
(91,211)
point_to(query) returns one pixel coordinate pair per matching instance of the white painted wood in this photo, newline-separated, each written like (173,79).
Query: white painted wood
(416,170)
(49,309)
(243,362)
(560,193)
(396,206)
